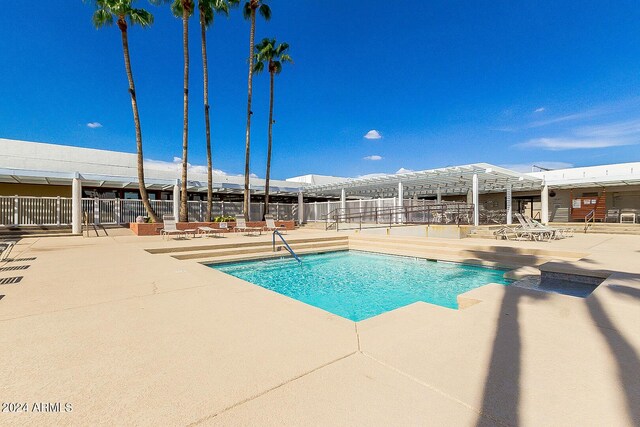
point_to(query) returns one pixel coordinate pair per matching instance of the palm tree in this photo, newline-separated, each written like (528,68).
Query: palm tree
(249,11)
(121,11)
(184,9)
(208,9)
(272,54)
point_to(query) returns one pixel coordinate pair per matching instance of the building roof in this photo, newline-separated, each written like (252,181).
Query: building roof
(40,163)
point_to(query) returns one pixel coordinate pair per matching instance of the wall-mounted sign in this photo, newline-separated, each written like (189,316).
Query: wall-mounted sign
(575,204)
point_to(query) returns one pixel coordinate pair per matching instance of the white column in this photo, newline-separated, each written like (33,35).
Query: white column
(400,203)
(176,199)
(475,200)
(343,202)
(439,195)
(76,205)
(509,204)
(300,208)
(544,198)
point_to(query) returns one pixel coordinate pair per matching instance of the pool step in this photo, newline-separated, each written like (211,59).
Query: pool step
(270,255)
(260,249)
(238,245)
(472,246)
(498,256)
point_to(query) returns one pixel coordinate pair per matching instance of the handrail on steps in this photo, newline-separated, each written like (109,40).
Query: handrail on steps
(286,245)
(589,217)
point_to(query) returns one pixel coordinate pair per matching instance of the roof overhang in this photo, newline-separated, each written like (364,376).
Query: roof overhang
(36,177)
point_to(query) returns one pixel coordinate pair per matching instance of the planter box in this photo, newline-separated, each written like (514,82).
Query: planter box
(153,229)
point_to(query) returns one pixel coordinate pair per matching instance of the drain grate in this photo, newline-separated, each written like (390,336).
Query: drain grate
(15,268)
(10,280)
(21,259)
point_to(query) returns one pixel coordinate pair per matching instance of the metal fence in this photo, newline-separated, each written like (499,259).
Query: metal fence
(35,210)
(24,210)
(49,211)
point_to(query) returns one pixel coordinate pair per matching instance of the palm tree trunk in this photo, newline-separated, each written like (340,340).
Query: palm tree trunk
(184,213)
(247,155)
(207,125)
(266,185)
(122,24)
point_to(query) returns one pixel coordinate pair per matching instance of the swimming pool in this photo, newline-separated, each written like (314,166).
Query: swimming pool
(359,285)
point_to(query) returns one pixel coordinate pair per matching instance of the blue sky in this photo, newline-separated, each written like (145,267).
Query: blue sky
(443,83)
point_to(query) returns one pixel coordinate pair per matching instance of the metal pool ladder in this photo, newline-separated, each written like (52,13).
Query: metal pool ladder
(286,245)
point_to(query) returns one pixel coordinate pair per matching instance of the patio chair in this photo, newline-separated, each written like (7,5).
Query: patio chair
(170,227)
(271,225)
(241,226)
(613,215)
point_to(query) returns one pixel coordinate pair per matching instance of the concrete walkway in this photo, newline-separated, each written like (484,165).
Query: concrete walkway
(130,338)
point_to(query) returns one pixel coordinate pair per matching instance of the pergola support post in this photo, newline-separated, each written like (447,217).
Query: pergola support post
(76,205)
(300,207)
(176,199)
(544,198)
(509,205)
(343,203)
(400,218)
(475,199)
(438,195)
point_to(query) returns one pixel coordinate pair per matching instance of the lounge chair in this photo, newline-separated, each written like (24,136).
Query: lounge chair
(533,232)
(170,228)
(271,225)
(558,232)
(210,231)
(5,249)
(241,226)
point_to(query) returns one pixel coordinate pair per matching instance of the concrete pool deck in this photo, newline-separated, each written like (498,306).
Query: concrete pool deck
(133,338)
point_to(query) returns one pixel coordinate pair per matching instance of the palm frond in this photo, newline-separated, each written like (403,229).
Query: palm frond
(140,17)
(265,11)
(102,18)
(259,66)
(246,10)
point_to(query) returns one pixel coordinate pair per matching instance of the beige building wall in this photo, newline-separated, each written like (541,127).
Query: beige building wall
(34,190)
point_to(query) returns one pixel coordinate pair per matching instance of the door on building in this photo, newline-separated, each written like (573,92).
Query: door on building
(527,205)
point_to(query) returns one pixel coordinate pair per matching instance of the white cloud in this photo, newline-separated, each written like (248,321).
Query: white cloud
(373,134)
(403,170)
(374,157)
(94,125)
(573,143)
(528,167)
(253,175)
(539,110)
(176,166)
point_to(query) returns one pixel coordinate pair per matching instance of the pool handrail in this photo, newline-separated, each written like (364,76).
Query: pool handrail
(286,245)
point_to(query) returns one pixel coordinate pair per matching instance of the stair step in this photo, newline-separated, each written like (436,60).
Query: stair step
(258,249)
(265,243)
(269,255)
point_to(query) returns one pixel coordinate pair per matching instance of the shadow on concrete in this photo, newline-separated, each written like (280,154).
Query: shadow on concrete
(626,290)
(501,396)
(625,355)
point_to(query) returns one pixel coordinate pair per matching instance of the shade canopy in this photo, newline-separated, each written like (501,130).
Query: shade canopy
(454,180)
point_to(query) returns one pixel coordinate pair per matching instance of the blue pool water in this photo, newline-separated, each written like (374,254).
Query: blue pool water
(359,285)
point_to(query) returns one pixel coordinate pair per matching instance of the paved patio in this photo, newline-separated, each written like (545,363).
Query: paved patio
(131,338)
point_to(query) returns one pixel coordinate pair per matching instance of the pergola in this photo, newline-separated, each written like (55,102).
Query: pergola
(470,180)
